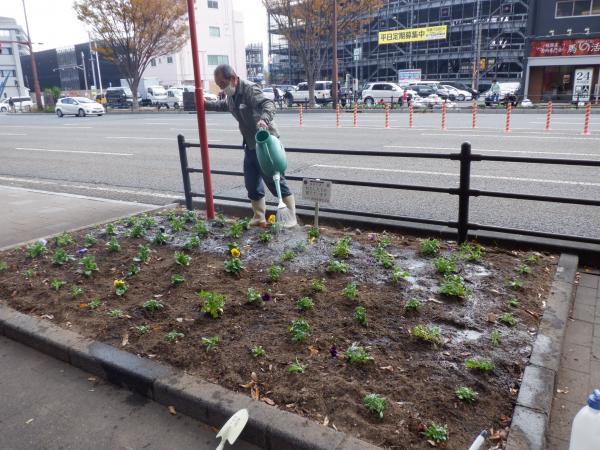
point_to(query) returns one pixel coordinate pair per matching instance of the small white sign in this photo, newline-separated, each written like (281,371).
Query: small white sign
(316,190)
(582,85)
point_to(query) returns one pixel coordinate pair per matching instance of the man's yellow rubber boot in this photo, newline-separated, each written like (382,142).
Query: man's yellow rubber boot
(259,207)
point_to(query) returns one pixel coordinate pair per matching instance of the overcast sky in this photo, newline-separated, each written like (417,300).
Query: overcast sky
(53,22)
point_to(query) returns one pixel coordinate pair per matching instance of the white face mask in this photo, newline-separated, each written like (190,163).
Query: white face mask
(229,90)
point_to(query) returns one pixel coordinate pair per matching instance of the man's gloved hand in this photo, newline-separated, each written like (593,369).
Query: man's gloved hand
(262,124)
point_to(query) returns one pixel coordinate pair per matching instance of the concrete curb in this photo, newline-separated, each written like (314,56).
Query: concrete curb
(268,427)
(534,403)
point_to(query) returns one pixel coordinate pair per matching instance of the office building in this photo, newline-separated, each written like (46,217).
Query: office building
(12,45)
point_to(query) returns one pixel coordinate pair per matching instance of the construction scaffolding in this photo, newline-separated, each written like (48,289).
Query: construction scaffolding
(486,39)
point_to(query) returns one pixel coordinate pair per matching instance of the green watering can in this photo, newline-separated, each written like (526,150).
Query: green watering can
(272,159)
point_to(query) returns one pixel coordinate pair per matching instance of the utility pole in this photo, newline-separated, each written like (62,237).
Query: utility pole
(92,61)
(84,71)
(36,82)
(477,47)
(98,65)
(334,78)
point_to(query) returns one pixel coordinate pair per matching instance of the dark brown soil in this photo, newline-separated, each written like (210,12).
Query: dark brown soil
(418,379)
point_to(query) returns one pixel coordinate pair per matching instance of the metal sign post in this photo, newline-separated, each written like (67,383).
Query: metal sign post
(317,190)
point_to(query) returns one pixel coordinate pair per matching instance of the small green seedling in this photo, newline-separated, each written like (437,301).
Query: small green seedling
(532,260)
(177,279)
(110,230)
(90,240)
(177,224)
(265,237)
(471,252)
(288,255)
(3,266)
(88,266)
(132,221)
(116,313)
(305,303)
(191,243)
(147,221)
(38,248)
(412,305)
(485,365)
(213,303)
(445,266)
(398,275)
(235,231)
(200,229)
(160,238)
(174,336)
(300,330)
(375,403)
(233,266)
(514,303)
(76,291)
(466,394)
(95,303)
(336,266)
(300,247)
(495,338)
(429,247)
(318,285)
(137,231)
(133,270)
(153,305)
(253,296)
(454,286)
(210,343)
(275,272)
(428,334)
(436,432)
(258,351)
(357,354)
(143,254)
(313,233)
(523,269)
(57,284)
(296,367)
(113,245)
(508,319)
(182,259)
(351,291)
(515,284)
(220,220)
(142,329)
(360,315)
(382,256)
(30,273)
(63,240)
(189,216)
(342,248)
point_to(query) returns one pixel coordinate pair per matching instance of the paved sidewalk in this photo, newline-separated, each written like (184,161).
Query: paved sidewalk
(47,404)
(579,372)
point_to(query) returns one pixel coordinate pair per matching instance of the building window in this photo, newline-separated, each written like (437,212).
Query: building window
(153,62)
(215,60)
(577,8)
(169,60)
(214,31)
(6,51)
(213,4)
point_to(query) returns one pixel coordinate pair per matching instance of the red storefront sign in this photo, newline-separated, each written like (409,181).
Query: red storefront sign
(565,47)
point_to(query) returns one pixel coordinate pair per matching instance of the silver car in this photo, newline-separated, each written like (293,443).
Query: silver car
(78,106)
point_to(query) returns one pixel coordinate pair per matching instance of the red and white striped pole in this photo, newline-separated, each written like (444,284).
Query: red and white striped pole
(355,114)
(508,113)
(337,115)
(301,116)
(474,114)
(548,115)
(444,116)
(411,110)
(387,116)
(586,124)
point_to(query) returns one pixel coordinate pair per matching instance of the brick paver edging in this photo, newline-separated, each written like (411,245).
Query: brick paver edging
(534,403)
(268,427)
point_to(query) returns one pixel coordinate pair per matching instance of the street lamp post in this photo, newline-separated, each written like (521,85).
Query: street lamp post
(84,71)
(36,82)
(334,78)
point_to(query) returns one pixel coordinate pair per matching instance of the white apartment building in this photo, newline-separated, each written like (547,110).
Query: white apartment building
(220,31)
(11,74)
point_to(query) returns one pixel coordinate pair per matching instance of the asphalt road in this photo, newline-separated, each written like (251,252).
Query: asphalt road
(134,157)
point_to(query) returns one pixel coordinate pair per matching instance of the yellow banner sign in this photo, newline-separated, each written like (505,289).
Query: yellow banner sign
(413,35)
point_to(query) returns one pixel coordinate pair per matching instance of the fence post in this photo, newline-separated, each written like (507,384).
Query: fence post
(187,185)
(548,115)
(463,192)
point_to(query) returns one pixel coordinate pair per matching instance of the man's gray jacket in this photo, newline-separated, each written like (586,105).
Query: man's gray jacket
(248,105)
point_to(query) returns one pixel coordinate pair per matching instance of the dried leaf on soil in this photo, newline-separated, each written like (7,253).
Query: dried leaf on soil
(172,410)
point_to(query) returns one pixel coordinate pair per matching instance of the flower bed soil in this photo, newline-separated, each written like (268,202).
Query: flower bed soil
(417,378)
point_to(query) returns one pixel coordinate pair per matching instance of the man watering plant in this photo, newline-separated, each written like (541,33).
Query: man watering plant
(246,102)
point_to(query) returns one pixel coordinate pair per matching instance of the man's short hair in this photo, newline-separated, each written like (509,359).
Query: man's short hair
(226,71)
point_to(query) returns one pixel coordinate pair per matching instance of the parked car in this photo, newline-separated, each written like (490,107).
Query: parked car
(174,98)
(386,91)
(322,93)
(438,89)
(461,87)
(20,104)
(78,106)
(269,92)
(119,97)
(459,94)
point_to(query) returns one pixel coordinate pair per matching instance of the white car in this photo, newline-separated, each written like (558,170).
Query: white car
(269,93)
(208,96)
(78,106)
(459,94)
(386,91)
(322,93)
(20,104)
(174,98)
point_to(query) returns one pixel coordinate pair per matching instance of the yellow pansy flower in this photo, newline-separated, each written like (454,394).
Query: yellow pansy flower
(272,219)
(119,283)
(235,252)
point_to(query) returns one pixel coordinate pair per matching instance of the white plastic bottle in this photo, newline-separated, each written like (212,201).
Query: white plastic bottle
(585,433)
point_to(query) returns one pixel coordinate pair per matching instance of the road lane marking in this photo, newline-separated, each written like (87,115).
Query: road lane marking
(27,149)
(455,149)
(512,136)
(150,138)
(449,174)
(13,134)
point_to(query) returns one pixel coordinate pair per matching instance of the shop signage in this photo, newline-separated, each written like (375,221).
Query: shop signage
(409,76)
(565,47)
(413,35)
(582,85)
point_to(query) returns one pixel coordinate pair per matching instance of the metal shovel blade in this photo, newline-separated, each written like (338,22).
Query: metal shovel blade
(233,428)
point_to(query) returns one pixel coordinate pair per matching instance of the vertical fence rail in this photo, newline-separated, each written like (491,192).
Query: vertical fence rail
(464,188)
(187,185)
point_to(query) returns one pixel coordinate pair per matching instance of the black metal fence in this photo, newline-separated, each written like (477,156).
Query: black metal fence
(463,191)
